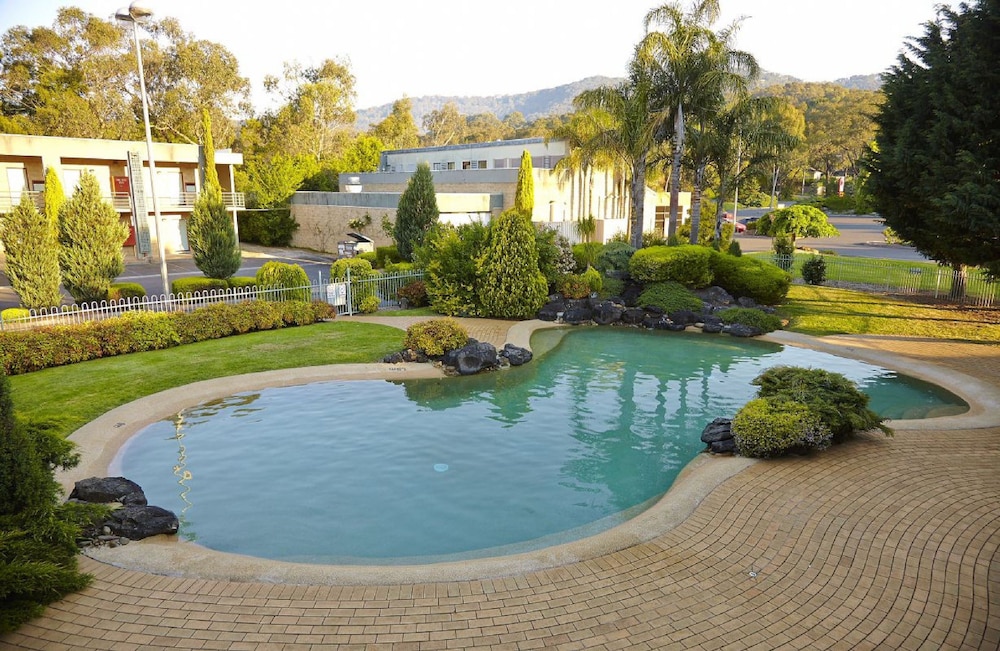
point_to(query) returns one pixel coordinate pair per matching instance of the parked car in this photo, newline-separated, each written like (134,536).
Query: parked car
(746,221)
(740,227)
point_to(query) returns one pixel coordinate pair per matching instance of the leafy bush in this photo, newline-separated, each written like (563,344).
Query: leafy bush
(687,264)
(734,249)
(650,238)
(196,284)
(436,336)
(593,278)
(297,313)
(414,293)
(586,255)
(273,227)
(290,280)
(400,267)
(359,270)
(771,427)
(555,254)
(814,270)
(14,314)
(750,277)
(837,402)
(452,269)
(572,286)
(369,305)
(751,317)
(670,296)
(371,257)
(615,256)
(135,332)
(119,291)
(612,287)
(384,255)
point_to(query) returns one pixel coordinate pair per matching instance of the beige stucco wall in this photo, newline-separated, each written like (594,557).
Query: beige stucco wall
(322,227)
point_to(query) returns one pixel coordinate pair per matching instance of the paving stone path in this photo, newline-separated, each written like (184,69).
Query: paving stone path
(876,544)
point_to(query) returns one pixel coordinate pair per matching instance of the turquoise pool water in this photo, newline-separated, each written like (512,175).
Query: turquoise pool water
(380,472)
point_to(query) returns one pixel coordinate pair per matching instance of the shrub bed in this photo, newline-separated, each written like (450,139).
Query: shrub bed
(23,351)
(689,265)
(670,296)
(751,317)
(752,278)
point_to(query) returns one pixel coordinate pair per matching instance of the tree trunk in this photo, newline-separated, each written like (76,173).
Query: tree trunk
(675,171)
(638,200)
(774,188)
(699,180)
(959,282)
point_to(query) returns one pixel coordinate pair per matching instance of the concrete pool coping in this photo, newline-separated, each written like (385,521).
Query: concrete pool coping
(99,441)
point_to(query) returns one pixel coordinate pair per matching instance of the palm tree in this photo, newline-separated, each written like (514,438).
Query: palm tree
(623,131)
(692,69)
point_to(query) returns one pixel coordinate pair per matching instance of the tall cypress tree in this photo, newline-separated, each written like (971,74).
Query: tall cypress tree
(936,158)
(524,196)
(91,237)
(416,213)
(32,254)
(55,196)
(211,234)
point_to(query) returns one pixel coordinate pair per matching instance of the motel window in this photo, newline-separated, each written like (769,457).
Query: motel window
(499,163)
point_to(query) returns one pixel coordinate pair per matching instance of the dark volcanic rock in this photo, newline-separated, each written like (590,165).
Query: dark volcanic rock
(138,522)
(101,490)
(516,355)
(578,315)
(740,330)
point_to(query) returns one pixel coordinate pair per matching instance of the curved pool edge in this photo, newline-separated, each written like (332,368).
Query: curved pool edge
(99,440)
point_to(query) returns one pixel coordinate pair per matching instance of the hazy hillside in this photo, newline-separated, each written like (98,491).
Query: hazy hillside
(555,101)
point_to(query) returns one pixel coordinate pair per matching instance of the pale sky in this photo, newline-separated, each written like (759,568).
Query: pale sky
(471,47)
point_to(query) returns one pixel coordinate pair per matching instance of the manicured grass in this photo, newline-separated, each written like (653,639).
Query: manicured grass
(818,310)
(70,396)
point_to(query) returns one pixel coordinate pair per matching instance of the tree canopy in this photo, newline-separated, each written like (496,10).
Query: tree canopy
(935,165)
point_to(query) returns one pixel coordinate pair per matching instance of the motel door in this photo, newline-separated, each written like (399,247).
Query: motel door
(17,182)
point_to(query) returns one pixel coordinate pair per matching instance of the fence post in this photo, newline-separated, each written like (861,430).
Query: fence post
(350,294)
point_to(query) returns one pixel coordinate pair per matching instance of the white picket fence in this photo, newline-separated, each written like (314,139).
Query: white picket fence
(343,295)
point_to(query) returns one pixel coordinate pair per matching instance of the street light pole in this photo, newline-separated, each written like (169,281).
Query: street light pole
(136,13)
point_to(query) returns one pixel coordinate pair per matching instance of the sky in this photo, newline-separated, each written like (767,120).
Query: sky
(471,47)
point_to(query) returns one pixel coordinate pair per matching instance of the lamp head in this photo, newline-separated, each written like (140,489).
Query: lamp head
(140,12)
(123,16)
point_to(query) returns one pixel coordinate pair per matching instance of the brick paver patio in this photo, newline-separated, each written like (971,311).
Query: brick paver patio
(875,544)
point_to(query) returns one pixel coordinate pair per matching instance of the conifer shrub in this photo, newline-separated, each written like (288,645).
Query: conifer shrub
(837,401)
(670,296)
(197,284)
(593,278)
(416,212)
(510,283)
(752,317)
(750,277)
(784,251)
(814,270)
(615,257)
(31,252)
(435,337)
(687,264)
(90,237)
(280,281)
(586,255)
(211,235)
(771,427)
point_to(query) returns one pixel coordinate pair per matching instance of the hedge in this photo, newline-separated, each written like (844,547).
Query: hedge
(23,351)
(689,265)
(196,284)
(742,276)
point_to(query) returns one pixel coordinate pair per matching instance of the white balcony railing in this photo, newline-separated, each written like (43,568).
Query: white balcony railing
(182,201)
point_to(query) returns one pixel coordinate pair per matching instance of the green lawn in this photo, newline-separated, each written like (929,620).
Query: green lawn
(70,396)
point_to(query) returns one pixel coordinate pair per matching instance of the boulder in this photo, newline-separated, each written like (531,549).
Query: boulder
(655,322)
(473,358)
(138,522)
(633,315)
(551,310)
(726,446)
(746,301)
(606,313)
(715,296)
(684,317)
(740,330)
(516,355)
(718,430)
(102,490)
(577,315)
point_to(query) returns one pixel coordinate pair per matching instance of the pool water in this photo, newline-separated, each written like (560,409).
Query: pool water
(381,472)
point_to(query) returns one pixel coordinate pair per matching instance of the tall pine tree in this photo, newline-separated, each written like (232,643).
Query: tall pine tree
(935,164)
(416,212)
(91,237)
(211,234)
(32,253)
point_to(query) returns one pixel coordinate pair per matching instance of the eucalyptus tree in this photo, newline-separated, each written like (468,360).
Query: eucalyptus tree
(623,131)
(398,130)
(691,67)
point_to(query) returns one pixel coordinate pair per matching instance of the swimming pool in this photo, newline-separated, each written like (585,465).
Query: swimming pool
(380,472)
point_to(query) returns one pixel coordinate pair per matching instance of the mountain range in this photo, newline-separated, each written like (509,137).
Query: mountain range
(553,101)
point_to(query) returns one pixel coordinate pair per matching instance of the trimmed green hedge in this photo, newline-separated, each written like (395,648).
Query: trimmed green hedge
(689,265)
(744,276)
(196,284)
(241,281)
(23,351)
(670,296)
(118,291)
(771,427)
